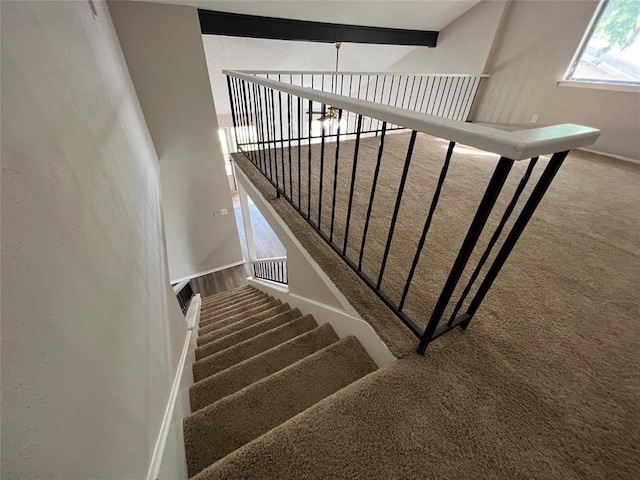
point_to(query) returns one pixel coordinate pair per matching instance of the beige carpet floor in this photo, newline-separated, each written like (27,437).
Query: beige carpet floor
(548,372)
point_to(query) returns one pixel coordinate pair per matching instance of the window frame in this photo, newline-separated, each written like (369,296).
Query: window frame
(567,79)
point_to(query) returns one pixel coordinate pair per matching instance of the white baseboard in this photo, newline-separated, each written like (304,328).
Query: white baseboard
(173,460)
(605,154)
(343,323)
(207,272)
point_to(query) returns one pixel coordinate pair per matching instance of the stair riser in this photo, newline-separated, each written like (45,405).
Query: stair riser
(250,311)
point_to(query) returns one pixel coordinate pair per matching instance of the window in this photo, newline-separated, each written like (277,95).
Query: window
(610,51)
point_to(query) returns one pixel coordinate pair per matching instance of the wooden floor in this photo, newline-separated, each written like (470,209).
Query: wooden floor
(267,245)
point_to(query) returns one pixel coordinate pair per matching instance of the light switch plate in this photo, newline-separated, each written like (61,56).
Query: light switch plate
(224,211)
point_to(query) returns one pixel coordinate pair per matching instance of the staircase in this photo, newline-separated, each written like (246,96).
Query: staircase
(258,364)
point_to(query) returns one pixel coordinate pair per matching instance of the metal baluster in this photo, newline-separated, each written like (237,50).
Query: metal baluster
(521,222)
(324,109)
(495,236)
(372,195)
(284,180)
(484,209)
(275,139)
(465,87)
(265,99)
(415,104)
(467,108)
(353,180)
(447,87)
(427,223)
(233,109)
(396,209)
(453,98)
(309,159)
(299,150)
(289,138)
(335,177)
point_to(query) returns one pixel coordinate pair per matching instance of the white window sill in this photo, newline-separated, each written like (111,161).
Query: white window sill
(599,86)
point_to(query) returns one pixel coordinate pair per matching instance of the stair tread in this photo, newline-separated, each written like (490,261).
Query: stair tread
(244,312)
(264,311)
(231,422)
(235,378)
(219,344)
(215,316)
(249,348)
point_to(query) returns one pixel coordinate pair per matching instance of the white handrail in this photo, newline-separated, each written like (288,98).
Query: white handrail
(333,72)
(518,145)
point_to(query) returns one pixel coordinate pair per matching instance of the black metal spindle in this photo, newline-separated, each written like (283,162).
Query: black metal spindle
(284,180)
(482,214)
(299,149)
(404,94)
(521,222)
(309,160)
(453,97)
(413,84)
(324,111)
(427,223)
(239,132)
(247,103)
(395,103)
(472,95)
(443,101)
(267,129)
(396,209)
(372,194)
(335,177)
(463,88)
(424,93)
(415,104)
(289,145)
(437,88)
(494,238)
(353,181)
(375,93)
(233,109)
(260,132)
(275,138)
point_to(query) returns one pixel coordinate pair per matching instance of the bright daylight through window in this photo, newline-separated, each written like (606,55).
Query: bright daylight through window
(610,52)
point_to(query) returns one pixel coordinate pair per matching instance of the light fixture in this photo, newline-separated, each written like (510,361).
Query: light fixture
(330,116)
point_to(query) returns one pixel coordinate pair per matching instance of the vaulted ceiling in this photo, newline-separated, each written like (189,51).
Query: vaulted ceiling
(411,14)
(236,53)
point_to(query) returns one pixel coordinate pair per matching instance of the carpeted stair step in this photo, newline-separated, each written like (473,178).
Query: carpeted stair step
(245,373)
(244,302)
(244,312)
(247,323)
(216,315)
(259,313)
(226,425)
(230,302)
(233,355)
(228,294)
(251,331)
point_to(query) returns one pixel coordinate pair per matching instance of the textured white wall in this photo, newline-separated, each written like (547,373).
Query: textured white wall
(536,46)
(163,48)
(91,330)
(463,45)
